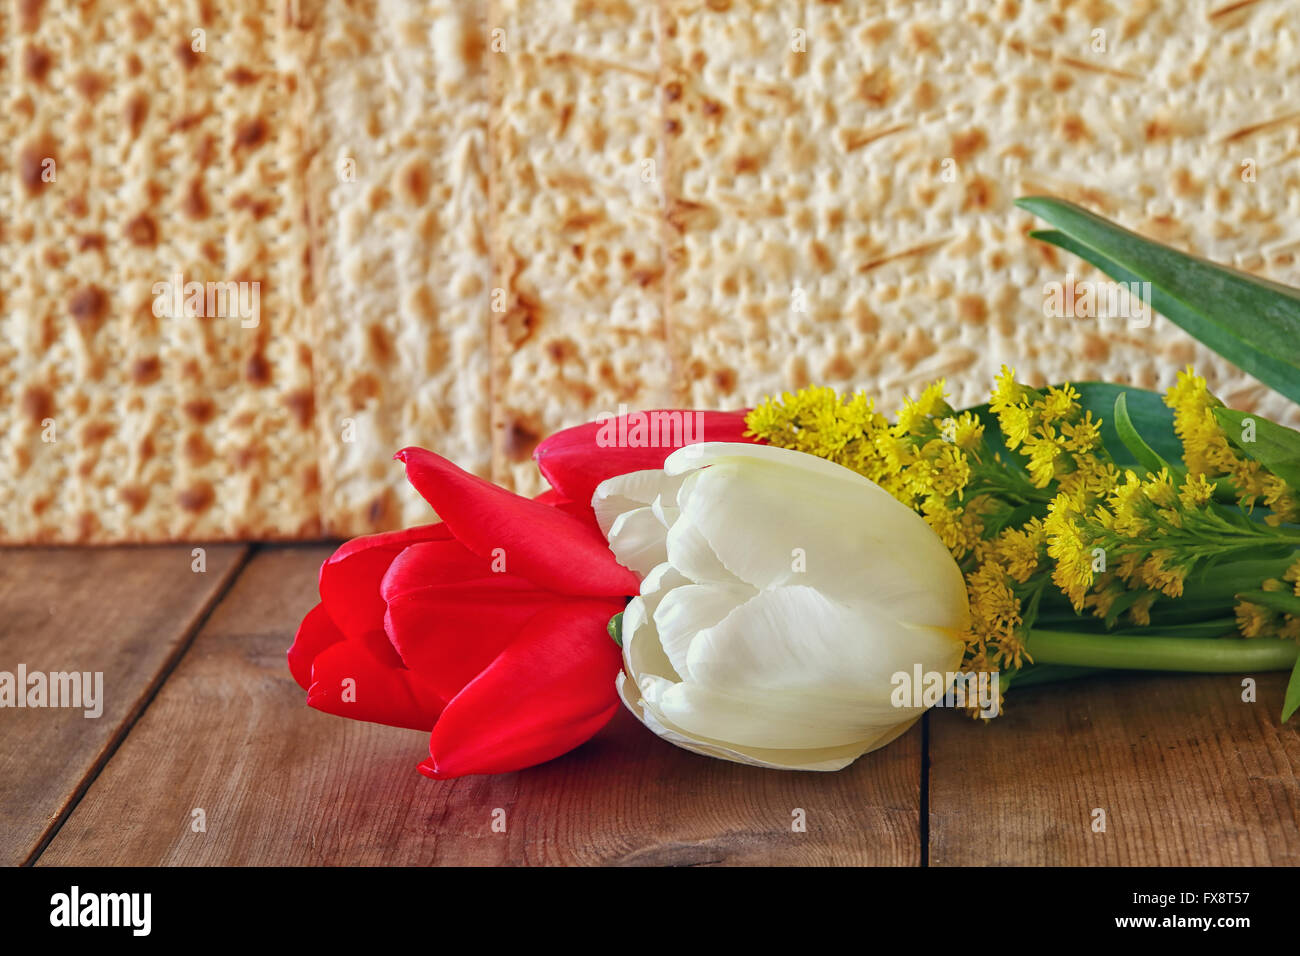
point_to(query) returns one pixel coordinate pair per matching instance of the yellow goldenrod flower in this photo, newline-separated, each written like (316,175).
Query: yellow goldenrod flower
(1059,404)
(967,432)
(1073,573)
(1253,620)
(1196,492)
(1047,507)
(1015,423)
(1007,392)
(1293,575)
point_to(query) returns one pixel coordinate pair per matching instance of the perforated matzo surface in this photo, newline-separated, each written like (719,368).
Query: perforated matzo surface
(690,203)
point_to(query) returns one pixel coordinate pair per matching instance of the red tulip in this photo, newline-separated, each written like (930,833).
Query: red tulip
(577,459)
(488,629)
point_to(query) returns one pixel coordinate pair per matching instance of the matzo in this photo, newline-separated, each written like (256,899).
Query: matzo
(677,203)
(577,207)
(396,116)
(162,128)
(840,179)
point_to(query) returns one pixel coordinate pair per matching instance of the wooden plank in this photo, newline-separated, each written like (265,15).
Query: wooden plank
(282,784)
(1186,772)
(123,612)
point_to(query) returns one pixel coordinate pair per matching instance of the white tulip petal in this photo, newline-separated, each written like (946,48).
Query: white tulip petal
(638,540)
(797,641)
(634,616)
(636,489)
(821,759)
(665,508)
(773,525)
(693,556)
(684,611)
(653,687)
(770,721)
(777,606)
(661,579)
(642,652)
(698,456)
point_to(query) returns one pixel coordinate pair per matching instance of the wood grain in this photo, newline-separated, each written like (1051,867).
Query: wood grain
(282,784)
(1187,773)
(126,612)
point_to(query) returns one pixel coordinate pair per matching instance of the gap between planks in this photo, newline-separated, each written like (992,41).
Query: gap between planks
(128,613)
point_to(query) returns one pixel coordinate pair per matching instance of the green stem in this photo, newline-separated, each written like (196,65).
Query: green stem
(1034,674)
(1199,654)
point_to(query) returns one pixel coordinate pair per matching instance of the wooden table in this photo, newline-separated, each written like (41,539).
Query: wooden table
(202,723)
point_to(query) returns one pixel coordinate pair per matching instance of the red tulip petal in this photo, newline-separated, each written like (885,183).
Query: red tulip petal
(577,459)
(450,567)
(449,615)
(543,544)
(447,563)
(449,636)
(315,633)
(546,693)
(350,577)
(383,694)
(579,509)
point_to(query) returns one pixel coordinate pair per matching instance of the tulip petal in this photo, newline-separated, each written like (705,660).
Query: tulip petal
(578,459)
(825,759)
(552,549)
(447,563)
(545,694)
(710,453)
(450,614)
(448,637)
(637,489)
(575,509)
(641,648)
(769,721)
(760,507)
(639,540)
(685,611)
(315,633)
(690,552)
(796,641)
(350,577)
(347,680)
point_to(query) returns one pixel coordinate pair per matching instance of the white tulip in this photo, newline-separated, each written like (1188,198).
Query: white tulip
(781,592)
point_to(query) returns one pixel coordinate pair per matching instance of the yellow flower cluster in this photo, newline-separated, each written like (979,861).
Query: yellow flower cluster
(819,421)
(1207,452)
(1256,620)
(1134,526)
(931,454)
(1003,564)
(1061,441)
(937,462)
(1056,512)
(925,458)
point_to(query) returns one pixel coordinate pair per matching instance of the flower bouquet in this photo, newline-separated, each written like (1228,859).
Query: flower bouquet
(794,585)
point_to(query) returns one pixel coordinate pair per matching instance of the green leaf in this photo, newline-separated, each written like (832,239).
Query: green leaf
(1128,434)
(1221,627)
(1121,604)
(1251,322)
(1032,674)
(1283,601)
(615,628)
(1147,413)
(1275,446)
(1291,703)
